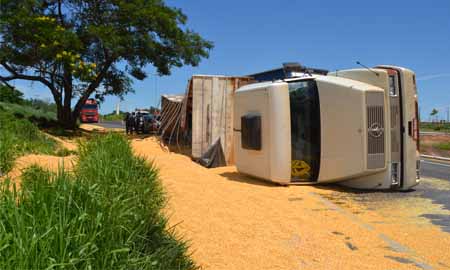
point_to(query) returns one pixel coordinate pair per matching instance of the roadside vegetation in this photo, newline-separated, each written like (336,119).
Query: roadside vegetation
(113,116)
(443,146)
(435,145)
(19,136)
(20,120)
(106,214)
(37,111)
(41,117)
(74,57)
(439,127)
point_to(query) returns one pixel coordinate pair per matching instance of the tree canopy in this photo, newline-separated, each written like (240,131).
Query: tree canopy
(78,48)
(434,112)
(10,94)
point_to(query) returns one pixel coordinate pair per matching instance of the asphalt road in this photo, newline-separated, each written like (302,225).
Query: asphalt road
(435,169)
(111,124)
(432,193)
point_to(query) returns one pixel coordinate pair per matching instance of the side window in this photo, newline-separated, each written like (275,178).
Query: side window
(392,86)
(251,131)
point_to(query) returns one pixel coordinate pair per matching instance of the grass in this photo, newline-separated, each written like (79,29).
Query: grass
(19,136)
(38,116)
(113,117)
(441,127)
(443,146)
(104,215)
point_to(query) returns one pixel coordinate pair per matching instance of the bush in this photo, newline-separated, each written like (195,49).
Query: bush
(20,136)
(428,126)
(7,153)
(105,215)
(10,94)
(113,117)
(40,117)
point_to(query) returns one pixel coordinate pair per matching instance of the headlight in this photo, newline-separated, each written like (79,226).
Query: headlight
(394,174)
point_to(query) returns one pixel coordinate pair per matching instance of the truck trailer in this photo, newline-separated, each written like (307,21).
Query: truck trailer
(357,127)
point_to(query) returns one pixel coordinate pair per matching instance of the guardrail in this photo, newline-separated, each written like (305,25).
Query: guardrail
(435,157)
(434,133)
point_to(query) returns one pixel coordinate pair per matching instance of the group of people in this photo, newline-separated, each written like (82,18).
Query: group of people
(132,122)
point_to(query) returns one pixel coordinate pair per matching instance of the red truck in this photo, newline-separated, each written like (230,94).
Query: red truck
(89,111)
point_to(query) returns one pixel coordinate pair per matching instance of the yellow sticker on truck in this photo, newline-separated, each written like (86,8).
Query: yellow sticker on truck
(300,168)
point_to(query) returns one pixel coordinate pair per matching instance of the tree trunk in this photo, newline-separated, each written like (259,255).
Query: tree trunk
(59,110)
(67,120)
(63,114)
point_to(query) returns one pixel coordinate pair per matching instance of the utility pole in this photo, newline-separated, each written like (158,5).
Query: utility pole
(118,108)
(156,90)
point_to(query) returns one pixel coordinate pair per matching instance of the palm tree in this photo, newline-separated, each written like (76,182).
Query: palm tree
(434,112)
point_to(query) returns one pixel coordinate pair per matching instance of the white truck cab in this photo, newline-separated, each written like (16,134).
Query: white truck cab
(335,128)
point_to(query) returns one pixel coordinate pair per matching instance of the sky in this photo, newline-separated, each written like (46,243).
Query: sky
(252,36)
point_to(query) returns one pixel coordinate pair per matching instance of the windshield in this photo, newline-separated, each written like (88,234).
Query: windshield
(90,107)
(305,130)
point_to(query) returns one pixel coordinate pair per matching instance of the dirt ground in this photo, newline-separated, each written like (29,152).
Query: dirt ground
(52,163)
(427,143)
(94,127)
(236,222)
(49,162)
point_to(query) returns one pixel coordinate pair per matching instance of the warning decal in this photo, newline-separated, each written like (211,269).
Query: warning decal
(301,169)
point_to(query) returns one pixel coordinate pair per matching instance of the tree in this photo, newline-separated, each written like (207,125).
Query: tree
(434,112)
(79,48)
(10,94)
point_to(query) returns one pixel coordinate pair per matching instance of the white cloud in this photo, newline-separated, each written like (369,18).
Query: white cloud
(433,76)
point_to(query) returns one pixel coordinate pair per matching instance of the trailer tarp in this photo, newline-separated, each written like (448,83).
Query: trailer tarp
(213,157)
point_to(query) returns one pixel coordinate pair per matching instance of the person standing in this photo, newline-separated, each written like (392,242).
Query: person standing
(132,123)
(137,122)
(127,123)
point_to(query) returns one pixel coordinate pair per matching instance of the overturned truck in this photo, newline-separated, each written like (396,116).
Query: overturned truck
(358,127)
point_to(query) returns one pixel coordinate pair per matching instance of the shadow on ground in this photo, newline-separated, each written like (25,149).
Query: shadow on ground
(238,177)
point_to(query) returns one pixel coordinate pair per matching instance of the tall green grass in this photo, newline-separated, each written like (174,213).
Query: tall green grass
(19,136)
(26,111)
(104,215)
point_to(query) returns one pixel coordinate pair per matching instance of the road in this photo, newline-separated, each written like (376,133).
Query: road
(111,124)
(435,169)
(431,196)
